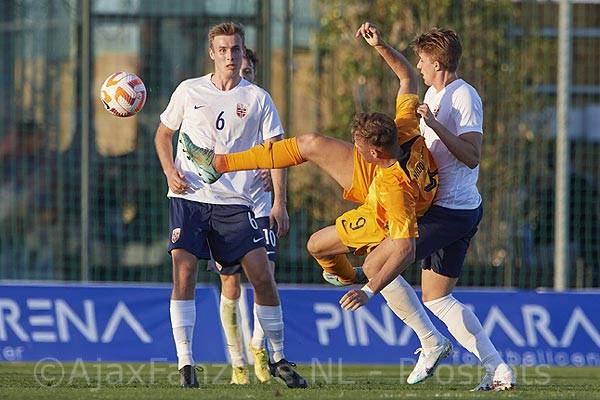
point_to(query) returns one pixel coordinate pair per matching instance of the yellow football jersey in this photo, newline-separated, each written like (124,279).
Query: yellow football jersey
(389,210)
(407,119)
(392,198)
(418,163)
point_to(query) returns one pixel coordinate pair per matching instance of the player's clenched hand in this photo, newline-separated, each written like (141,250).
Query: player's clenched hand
(280,216)
(354,299)
(370,33)
(425,113)
(176,181)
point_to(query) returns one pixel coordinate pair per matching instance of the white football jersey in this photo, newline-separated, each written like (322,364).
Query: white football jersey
(227,122)
(458,107)
(261,200)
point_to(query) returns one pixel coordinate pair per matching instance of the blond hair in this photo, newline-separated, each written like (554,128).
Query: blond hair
(442,45)
(225,29)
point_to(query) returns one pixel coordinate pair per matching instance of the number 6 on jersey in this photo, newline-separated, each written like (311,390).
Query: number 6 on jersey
(220,124)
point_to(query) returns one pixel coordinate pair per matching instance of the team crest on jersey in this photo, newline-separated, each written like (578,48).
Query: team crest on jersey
(241,110)
(175,234)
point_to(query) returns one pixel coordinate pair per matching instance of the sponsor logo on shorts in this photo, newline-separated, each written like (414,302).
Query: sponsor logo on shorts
(255,240)
(175,235)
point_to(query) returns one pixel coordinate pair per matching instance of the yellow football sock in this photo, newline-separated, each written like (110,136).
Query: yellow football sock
(269,155)
(338,265)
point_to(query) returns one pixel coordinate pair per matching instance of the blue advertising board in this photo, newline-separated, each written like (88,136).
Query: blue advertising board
(131,323)
(100,322)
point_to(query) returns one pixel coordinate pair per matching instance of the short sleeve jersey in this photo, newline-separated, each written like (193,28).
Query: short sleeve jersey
(225,121)
(404,191)
(458,107)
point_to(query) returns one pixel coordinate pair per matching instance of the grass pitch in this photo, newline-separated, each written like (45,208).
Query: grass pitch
(52,380)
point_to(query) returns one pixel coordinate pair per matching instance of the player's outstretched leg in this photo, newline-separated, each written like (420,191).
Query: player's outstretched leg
(202,159)
(333,156)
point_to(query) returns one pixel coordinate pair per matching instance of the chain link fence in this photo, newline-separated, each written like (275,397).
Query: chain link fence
(319,77)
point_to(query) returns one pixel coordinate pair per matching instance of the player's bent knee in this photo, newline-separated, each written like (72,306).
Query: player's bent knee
(314,245)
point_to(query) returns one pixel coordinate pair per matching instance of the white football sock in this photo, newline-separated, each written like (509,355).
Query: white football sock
(229,309)
(466,329)
(403,301)
(183,318)
(258,334)
(271,320)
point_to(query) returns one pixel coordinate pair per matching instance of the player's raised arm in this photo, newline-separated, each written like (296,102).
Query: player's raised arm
(397,62)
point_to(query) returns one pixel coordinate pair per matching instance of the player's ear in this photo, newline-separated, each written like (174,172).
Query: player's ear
(211,53)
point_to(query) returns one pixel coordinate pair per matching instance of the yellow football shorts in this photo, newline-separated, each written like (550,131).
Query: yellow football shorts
(358,230)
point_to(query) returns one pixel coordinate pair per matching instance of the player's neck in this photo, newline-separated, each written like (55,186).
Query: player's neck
(225,81)
(395,154)
(444,79)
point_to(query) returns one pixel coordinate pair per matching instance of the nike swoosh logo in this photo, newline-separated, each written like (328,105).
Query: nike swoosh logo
(197,107)
(257,240)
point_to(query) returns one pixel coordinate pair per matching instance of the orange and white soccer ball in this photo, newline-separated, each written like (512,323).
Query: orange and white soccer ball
(123,94)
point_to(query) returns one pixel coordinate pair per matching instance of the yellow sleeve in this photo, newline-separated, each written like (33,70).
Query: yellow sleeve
(399,203)
(407,119)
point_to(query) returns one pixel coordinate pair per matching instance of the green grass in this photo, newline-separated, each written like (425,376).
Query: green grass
(152,381)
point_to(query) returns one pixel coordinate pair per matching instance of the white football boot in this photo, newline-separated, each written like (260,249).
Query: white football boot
(501,379)
(428,361)
(504,378)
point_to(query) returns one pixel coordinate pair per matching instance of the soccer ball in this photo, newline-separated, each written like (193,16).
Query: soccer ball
(123,94)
